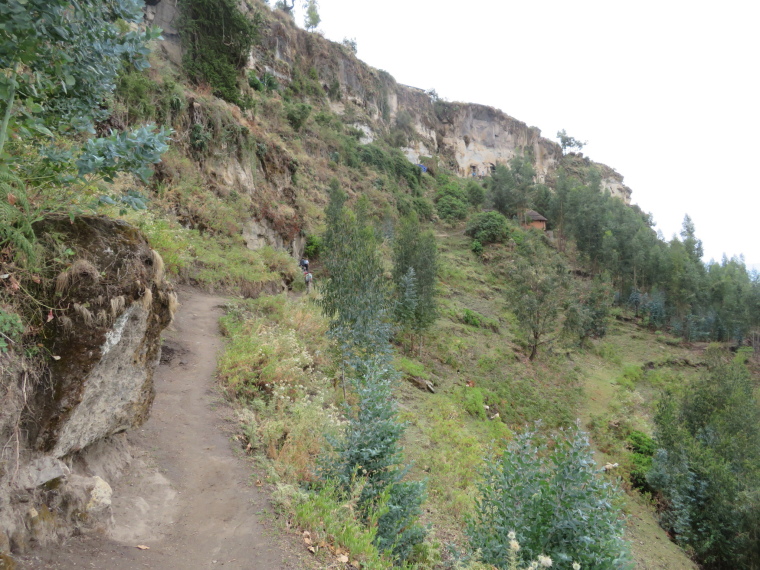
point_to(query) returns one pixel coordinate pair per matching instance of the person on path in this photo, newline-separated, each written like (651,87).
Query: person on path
(307,278)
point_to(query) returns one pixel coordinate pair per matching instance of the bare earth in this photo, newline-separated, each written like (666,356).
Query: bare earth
(186,495)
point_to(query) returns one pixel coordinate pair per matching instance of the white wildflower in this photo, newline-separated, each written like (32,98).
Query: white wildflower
(514,546)
(576,566)
(511,535)
(544,561)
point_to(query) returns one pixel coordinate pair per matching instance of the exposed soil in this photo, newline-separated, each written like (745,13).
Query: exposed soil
(187,495)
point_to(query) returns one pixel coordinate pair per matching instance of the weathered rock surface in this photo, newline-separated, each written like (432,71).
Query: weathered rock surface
(106,308)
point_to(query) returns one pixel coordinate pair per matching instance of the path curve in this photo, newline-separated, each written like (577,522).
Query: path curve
(186,495)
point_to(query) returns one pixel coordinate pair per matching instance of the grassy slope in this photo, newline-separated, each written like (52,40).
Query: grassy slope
(449,431)
(446,439)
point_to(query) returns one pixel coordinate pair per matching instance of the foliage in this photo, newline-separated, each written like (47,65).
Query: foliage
(643,448)
(476,194)
(17,215)
(567,141)
(370,451)
(536,298)
(706,465)
(11,329)
(350,45)
(554,500)
(392,162)
(61,61)
(144,99)
(313,246)
(355,295)
(451,208)
(297,113)
(510,188)
(587,312)
(324,511)
(311,17)
(218,38)
(266,83)
(415,292)
(488,227)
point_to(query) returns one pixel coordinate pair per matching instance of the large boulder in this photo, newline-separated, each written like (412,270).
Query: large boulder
(104,304)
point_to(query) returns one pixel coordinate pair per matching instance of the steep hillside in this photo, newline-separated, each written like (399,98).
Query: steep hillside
(268,123)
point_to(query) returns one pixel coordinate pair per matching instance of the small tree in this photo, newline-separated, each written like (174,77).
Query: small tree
(370,454)
(536,298)
(707,465)
(355,294)
(550,497)
(587,310)
(567,141)
(311,18)
(417,251)
(511,188)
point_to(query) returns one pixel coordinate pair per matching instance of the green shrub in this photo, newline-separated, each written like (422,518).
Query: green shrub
(555,502)
(474,402)
(488,227)
(472,318)
(476,194)
(451,188)
(451,209)
(643,448)
(254,82)
(477,247)
(313,247)
(423,207)
(297,114)
(631,376)
(371,450)
(217,38)
(11,329)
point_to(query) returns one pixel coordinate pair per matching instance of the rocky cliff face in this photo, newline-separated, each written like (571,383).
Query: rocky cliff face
(467,138)
(470,138)
(105,311)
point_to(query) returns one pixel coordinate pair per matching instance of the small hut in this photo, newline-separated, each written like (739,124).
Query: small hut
(535,220)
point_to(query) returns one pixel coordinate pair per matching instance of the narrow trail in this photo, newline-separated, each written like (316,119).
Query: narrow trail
(185,495)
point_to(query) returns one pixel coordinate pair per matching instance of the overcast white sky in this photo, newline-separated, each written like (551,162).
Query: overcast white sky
(665,92)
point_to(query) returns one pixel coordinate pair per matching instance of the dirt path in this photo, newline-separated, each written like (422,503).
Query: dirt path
(185,495)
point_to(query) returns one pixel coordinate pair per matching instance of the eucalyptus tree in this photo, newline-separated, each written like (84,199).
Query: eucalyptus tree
(355,294)
(59,61)
(415,266)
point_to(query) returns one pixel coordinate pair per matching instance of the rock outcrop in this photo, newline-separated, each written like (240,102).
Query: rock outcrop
(104,311)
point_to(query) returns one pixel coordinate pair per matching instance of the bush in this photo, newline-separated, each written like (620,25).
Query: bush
(297,115)
(476,194)
(450,208)
(474,402)
(214,53)
(11,329)
(643,448)
(555,502)
(313,247)
(488,227)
